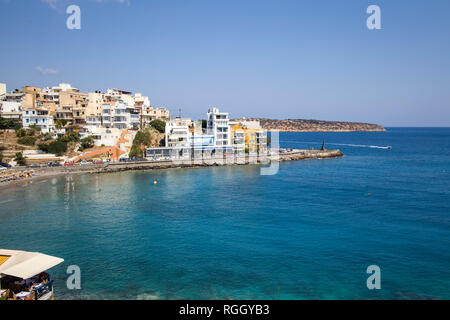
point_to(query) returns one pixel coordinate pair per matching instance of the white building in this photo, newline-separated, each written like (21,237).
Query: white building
(116,94)
(51,94)
(218,126)
(118,115)
(38,117)
(103,136)
(10,109)
(2,89)
(93,122)
(10,103)
(177,132)
(141,101)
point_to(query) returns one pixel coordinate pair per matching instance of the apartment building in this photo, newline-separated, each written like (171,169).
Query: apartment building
(31,96)
(38,117)
(51,94)
(76,102)
(248,136)
(116,94)
(119,115)
(177,132)
(10,103)
(2,89)
(237,133)
(218,126)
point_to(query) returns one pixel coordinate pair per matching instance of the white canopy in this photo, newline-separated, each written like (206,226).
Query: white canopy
(23,264)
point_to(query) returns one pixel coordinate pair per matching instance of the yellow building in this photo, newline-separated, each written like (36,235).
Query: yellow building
(248,139)
(32,95)
(76,102)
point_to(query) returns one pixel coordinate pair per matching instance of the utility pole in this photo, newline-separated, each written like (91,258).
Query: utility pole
(140,118)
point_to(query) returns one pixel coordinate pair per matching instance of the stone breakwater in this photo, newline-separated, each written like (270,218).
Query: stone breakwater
(295,155)
(49,172)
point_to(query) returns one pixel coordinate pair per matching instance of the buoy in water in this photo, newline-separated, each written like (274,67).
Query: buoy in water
(155,181)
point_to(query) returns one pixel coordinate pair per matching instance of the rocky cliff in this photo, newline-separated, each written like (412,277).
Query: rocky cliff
(301,125)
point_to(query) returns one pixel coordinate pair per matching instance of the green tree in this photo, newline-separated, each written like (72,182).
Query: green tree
(60,123)
(9,124)
(57,147)
(48,136)
(43,147)
(20,159)
(140,142)
(21,133)
(159,125)
(69,137)
(87,142)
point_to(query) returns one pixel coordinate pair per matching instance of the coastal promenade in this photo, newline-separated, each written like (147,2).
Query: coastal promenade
(49,172)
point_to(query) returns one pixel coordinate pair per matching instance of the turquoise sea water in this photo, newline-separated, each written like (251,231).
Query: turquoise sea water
(308,232)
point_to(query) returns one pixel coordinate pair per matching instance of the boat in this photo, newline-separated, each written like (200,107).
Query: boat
(23,275)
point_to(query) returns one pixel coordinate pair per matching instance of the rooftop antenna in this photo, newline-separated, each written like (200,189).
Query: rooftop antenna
(179,113)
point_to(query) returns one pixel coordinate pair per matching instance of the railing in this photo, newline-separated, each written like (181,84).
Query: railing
(43,289)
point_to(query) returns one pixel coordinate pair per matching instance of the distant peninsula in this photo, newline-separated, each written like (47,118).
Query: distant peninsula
(301,125)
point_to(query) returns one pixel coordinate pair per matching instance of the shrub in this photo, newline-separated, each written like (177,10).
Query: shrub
(69,137)
(9,124)
(60,123)
(141,140)
(57,147)
(43,147)
(34,127)
(87,142)
(20,159)
(158,125)
(27,140)
(21,133)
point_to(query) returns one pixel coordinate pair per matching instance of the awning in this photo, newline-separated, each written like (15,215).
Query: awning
(23,264)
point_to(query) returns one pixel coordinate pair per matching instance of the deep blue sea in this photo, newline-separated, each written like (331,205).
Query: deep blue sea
(308,232)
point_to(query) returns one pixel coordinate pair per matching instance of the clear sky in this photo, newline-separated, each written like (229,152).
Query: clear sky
(276,59)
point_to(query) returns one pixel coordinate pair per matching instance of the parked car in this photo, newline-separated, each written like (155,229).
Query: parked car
(5,165)
(53,164)
(3,168)
(82,162)
(69,163)
(33,166)
(137,159)
(98,161)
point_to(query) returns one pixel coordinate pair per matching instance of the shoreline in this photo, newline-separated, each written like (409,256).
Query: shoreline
(54,172)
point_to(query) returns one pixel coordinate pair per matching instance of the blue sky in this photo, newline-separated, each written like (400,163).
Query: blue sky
(275,59)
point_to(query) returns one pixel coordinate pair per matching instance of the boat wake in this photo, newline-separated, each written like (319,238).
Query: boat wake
(343,144)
